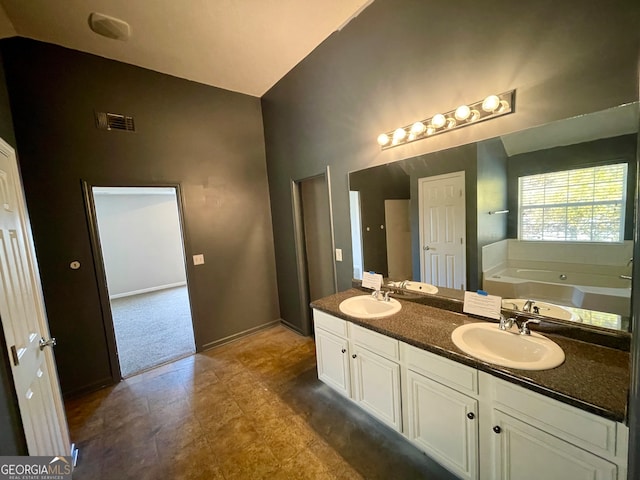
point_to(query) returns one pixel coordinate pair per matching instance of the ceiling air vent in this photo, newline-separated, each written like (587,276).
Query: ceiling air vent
(114,121)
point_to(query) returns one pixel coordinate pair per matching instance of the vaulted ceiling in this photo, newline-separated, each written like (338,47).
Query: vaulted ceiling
(240,45)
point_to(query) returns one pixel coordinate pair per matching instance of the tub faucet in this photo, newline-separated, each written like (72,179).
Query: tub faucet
(527,305)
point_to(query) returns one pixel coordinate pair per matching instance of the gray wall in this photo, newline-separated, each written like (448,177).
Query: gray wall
(492,196)
(12,441)
(403,60)
(141,241)
(208,140)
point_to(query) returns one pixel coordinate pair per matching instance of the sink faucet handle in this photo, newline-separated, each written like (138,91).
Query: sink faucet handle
(375,294)
(506,323)
(524,329)
(386,295)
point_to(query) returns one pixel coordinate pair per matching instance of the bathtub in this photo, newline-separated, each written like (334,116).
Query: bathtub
(604,293)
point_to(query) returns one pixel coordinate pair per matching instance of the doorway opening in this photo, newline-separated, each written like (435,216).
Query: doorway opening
(314,243)
(141,248)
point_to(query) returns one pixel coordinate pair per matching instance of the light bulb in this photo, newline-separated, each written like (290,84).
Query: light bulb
(417,128)
(474,115)
(431,130)
(383,139)
(462,112)
(438,120)
(451,122)
(491,103)
(399,134)
(504,105)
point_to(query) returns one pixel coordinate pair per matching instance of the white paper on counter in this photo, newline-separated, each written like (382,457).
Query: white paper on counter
(372,280)
(483,305)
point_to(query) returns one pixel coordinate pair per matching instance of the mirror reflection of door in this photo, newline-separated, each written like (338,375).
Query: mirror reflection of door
(143,257)
(442,230)
(398,234)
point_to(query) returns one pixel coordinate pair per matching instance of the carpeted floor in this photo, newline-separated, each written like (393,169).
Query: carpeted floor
(152,328)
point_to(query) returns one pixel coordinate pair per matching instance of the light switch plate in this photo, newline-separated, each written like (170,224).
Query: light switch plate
(198,259)
(338,254)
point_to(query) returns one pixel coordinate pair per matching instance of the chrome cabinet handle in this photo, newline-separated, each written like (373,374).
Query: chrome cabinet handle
(353,356)
(497,429)
(46,343)
(471,415)
(344,350)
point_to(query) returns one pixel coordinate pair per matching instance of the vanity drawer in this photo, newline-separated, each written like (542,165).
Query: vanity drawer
(330,323)
(442,370)
(595,433)
(376,342)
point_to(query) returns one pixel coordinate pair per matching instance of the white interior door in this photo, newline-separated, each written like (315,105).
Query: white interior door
(442,230)
(398,233)
(24,321)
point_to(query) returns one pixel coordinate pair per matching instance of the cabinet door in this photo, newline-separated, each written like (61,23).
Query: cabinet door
(524,452)
(332,354)
(443,423)
(377,386)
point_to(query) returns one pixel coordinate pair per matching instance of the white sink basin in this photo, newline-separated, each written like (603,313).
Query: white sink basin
(487,342)
(366,306)
(421,287)
(545,309)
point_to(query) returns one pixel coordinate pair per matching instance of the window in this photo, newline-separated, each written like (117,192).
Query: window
(582,205)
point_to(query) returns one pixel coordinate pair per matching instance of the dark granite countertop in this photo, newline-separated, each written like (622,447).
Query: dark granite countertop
(593,378)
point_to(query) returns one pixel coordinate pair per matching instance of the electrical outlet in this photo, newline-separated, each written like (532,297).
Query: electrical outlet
(338,254)
(198,259)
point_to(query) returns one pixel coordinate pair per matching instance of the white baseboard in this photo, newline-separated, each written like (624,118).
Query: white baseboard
(147,290)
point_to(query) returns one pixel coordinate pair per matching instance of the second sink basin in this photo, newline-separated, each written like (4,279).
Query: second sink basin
(366,306)
(487,342)
(544,308)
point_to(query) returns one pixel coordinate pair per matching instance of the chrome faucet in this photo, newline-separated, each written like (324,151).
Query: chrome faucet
(378,293)
(523,327)
(506,323)
(527,305)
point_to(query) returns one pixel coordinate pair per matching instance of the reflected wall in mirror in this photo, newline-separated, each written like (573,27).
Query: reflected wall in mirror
(547,215)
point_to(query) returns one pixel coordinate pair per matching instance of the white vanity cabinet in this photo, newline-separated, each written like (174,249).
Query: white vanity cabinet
(441,411)
(474,424)
(533,436)
(332,354)
(362,365)
(524,452)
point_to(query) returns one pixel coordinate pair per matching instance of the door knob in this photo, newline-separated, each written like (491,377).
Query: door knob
(47,343)
(425,248)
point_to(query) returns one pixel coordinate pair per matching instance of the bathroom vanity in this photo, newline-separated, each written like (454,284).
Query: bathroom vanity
(479,420)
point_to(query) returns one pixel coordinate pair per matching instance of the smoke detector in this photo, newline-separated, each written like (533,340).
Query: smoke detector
(109,27)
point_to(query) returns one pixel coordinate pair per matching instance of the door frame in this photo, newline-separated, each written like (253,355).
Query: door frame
(462,174)
(98,263)
(300,249)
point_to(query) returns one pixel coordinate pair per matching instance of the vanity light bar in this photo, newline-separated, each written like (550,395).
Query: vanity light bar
(490,107)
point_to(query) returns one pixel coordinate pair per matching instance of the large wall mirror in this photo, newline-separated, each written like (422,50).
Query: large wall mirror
(545,215)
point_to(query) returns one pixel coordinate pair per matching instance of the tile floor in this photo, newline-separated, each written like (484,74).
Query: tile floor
(251,409)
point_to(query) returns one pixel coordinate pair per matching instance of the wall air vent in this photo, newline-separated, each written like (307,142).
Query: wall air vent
(114,121)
